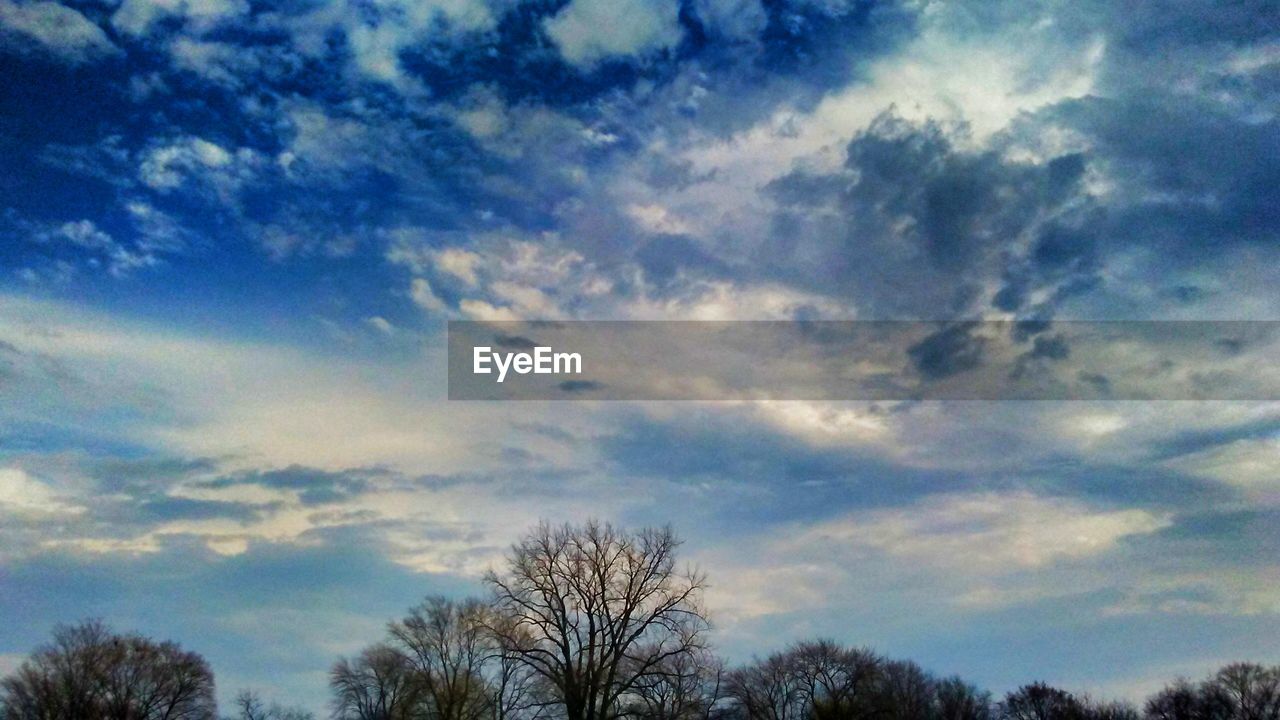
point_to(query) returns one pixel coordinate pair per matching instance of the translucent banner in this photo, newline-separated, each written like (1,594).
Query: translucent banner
(864,360)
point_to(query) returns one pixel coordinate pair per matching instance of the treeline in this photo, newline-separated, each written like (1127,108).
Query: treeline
(582,623)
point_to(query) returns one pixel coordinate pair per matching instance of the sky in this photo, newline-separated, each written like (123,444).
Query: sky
(232,232)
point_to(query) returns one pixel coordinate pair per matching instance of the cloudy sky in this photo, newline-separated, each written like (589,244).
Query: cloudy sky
(231,233)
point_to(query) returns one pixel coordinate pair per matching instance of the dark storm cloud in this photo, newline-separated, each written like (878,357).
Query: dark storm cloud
(1189,442)
(1051,348)
(934,220)
(1192,174)
(517,342)
(664,257)
(314,486)
(178,508)
(1195,179)
(146,473)
(951,350)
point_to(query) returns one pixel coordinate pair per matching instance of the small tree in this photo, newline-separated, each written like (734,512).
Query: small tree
(1039,701)
(89,672)
(1240,691)
(958,700)
(907,692)
(449,646)
(817,679)
(379,684)
(1250,691)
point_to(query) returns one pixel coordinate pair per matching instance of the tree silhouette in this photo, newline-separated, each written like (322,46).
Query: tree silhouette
(379,684)
(1039,701)
(90,673)
(596,612)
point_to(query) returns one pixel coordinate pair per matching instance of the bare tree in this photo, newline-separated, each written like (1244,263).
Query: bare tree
(452,650)
(1039,701)
(958,700)
(595,611)
(1240,691)
(1179,701)
(838,683)
(683,687)
(1251,691)
(519,692)
(818,679)
(380,684)
(907,692)
(1108,710)
(91,673)
(768,689)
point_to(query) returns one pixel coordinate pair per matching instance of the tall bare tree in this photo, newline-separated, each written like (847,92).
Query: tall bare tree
(595,611)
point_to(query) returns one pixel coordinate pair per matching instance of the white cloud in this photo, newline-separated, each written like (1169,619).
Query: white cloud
(737,19)
(1252,466)
(723,300)
(381,324)
(165,168)
(257,406)
(261,404)
(217,62)
(588,31)
(207,164)
(972,549)
(504,279)
(500,277)
(59,30)
(103,250)
(159,231)
(330,145)
(425,297)
(21,493)
(657,219)
(459,263)
(850,424)
(85,234)
(379,31)
(138,17)
(986,533)
(981,84)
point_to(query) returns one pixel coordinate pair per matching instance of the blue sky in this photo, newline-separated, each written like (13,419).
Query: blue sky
(231,233)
